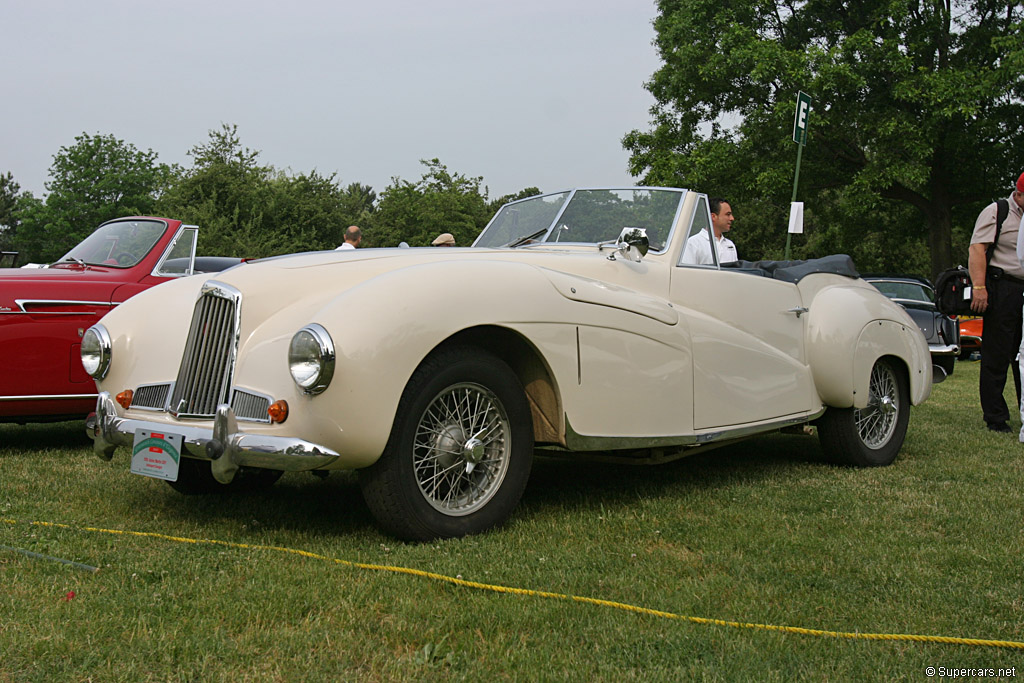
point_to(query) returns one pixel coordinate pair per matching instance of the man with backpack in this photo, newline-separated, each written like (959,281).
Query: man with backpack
(997,293)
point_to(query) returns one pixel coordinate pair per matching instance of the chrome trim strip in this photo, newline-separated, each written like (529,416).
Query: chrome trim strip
(48,397)
(59,302)
(580,442)
(227,448)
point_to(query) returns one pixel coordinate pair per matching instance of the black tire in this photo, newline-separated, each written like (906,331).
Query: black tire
(460,450)
(195,478)
(946,363)
(872,436)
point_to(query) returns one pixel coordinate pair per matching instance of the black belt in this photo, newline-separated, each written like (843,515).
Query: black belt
(1017,280)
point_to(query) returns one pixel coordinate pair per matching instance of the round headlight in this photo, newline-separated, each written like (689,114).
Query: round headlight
(96,351)
(311,358)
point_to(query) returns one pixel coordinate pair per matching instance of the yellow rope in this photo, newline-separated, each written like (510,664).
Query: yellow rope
(545,594)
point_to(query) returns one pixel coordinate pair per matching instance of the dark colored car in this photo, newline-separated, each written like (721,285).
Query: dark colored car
(941,331)
(45,310)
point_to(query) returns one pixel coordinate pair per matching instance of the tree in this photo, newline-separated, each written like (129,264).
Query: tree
(94,180)
(418,212)
(918,107)
(496,204)
(12,202)
(248,209)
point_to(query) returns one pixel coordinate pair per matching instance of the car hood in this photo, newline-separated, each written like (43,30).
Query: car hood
(96,283)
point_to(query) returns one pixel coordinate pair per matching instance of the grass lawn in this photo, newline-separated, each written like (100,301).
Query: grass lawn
(760,533)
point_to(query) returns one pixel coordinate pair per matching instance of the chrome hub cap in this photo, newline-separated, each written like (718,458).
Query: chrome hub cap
(877,422)
(461,449)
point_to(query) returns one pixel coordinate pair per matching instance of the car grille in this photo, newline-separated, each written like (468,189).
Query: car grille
(207,366)
(249,406)
(151,396)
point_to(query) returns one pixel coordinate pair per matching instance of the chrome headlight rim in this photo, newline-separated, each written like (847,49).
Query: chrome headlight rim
(97,363)
(325,359)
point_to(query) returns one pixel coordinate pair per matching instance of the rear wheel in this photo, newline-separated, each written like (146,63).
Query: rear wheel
(196,478)
(460,450)
(873,435)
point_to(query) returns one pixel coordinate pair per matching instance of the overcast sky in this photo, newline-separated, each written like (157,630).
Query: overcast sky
(523,93)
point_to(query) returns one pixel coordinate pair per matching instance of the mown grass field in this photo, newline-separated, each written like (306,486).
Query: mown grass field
(759,533)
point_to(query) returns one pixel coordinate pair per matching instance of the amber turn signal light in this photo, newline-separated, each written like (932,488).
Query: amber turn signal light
(278,411)
(124,399)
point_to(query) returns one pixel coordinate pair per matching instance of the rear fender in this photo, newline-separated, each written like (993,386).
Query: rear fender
(848,329)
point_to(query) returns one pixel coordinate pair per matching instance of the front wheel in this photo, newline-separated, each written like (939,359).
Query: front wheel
(460,450)
(873,435)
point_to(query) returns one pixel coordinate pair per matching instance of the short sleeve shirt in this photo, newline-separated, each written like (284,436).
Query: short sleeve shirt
(1005,255)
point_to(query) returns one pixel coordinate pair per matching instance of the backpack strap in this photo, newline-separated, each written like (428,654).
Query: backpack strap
(1002,211)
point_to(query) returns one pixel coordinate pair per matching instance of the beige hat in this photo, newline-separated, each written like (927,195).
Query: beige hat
(445,239)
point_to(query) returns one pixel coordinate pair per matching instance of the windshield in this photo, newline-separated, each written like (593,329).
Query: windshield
(585,216)
(903,290)
(121,244)
(521,219)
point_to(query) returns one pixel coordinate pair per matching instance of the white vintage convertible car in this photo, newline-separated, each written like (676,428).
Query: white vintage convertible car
(570,325)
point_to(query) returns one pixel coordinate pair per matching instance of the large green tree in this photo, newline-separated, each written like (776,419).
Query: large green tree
(96,179)
(245,208)
(439,202)
(918,110)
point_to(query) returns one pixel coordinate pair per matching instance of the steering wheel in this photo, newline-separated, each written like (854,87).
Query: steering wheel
(125,258)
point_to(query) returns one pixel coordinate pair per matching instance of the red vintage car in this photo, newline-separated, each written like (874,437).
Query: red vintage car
(44,310)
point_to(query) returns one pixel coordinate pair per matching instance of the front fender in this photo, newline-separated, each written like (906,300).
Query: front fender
(382,329)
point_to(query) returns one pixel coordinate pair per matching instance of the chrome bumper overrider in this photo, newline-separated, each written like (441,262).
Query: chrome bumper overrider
(224,446)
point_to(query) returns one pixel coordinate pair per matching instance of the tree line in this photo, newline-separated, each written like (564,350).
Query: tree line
(242,206)
(916,125)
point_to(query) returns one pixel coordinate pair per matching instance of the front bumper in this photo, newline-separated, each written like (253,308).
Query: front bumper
(224,446)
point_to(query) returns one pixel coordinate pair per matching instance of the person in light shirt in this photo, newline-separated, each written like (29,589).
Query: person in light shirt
(353,236)
(698,247)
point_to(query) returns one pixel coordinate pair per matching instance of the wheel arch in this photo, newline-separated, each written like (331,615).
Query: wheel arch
(528,364)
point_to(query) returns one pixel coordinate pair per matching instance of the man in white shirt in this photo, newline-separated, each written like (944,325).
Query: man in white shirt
(353,236)
(698,247)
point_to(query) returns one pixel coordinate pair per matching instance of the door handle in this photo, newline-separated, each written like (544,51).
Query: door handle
(799,310)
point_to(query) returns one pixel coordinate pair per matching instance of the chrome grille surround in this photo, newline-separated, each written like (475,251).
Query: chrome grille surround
(250,406)
(151,396)
(211,350)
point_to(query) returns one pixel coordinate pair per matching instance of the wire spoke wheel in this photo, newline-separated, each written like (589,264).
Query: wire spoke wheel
(870,436)
(461,449)
(877,422)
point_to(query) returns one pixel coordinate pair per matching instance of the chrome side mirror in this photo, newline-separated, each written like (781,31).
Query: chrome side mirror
(633,243)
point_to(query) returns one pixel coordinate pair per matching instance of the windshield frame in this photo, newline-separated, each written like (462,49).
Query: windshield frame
(90,245)
(541,238)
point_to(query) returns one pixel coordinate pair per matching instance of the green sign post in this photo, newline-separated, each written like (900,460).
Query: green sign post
(803,110)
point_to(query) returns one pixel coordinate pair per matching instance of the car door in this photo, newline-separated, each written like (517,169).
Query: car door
(747,334)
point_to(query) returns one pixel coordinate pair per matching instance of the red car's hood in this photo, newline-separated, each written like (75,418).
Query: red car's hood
(95,283)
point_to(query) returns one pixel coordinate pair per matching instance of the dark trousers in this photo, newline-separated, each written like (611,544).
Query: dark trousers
(1000,341)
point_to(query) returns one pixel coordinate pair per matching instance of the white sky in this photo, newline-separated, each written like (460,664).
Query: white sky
(524,93)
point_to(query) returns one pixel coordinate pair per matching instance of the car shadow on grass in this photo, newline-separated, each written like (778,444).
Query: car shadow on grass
(558,481)
(322,507)
(46,435)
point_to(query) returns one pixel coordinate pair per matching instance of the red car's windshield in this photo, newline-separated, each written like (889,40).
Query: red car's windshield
(120,244)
